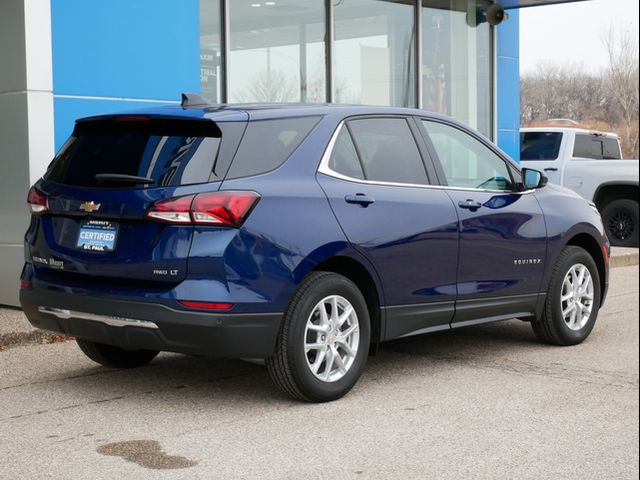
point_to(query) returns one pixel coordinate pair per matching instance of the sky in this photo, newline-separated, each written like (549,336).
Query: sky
(571,33)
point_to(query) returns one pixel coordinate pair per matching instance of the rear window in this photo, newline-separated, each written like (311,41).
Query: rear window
(268,143)
(596,147)
(540,145)
(164,152)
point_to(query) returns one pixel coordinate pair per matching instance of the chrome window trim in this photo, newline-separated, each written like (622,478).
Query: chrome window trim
(324,169)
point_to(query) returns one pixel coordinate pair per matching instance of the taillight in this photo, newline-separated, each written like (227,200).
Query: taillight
(37,201)
(173,210)
(218,208)
(225,208)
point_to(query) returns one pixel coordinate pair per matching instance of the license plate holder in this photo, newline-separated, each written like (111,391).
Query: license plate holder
(97,236)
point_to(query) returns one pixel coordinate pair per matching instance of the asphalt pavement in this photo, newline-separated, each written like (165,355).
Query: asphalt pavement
(483,402)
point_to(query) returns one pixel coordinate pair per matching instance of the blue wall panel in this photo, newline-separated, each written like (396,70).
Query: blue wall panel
(508,85)
(125,48)
(107,51)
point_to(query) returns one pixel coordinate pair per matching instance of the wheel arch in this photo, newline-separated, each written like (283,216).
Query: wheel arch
(358,273)
(607,192)
(594,249)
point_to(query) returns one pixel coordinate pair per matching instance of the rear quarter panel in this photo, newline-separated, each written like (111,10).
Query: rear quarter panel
(291,229)
(585,176)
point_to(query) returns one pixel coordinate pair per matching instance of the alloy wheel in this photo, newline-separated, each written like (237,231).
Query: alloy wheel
(577,297)
(331,338)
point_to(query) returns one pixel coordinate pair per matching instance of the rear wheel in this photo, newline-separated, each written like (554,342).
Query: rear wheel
(620,219)
(115,357)
(573,300)
(324,339)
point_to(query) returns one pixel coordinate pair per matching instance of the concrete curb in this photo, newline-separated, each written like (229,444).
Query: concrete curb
(623,257)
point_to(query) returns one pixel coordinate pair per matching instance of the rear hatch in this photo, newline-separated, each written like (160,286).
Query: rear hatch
(99,188)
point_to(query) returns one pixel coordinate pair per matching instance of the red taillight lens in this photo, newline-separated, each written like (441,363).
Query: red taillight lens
(37,201)
(218,208)
(132,118)
(173,210)
(223,208)
(206,305)
(25,283)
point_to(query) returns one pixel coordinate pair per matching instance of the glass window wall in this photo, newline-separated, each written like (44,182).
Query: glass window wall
(457,61)
(210,51)
(374,52)
(277,51)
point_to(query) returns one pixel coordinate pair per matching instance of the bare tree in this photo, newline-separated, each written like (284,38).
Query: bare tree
(622,80)
(567,91)
(607,99)
(271,86)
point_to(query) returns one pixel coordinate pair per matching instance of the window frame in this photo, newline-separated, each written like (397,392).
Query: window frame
(512,168)
(427,162)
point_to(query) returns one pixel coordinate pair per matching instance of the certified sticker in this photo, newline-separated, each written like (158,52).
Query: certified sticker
(97,236)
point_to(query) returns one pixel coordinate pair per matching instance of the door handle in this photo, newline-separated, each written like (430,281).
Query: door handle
(551,169)
(359,199)
(469,204)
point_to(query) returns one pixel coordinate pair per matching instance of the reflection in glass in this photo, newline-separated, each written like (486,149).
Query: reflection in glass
(277,51)
(456,61)
(374,52)
(467,162)
(210,56)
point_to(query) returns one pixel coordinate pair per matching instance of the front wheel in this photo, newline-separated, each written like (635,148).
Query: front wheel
(573,299)
(620,219)
(324,339)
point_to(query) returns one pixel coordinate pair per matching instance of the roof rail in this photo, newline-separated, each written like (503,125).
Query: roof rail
(193,100)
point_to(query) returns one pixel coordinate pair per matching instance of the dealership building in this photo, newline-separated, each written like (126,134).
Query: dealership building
(65,59)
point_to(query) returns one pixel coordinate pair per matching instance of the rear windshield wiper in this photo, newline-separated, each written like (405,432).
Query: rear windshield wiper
(118,177)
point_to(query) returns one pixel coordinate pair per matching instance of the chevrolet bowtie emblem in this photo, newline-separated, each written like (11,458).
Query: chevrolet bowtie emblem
(89,206)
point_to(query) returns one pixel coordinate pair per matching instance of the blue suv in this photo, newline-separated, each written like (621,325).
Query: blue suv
(303,235)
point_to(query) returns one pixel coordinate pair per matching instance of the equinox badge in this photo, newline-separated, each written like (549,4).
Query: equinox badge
(89,206)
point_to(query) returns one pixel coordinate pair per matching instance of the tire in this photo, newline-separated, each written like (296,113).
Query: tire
(620,218)
(115,357)
(291,367)
(552,327)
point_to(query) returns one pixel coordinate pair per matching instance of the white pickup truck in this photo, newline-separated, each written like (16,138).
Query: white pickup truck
(589,163)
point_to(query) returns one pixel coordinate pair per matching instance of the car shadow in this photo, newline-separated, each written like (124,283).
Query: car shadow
(218,380)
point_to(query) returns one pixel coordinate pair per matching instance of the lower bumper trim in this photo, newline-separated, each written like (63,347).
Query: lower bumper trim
(106,319)
(143,325)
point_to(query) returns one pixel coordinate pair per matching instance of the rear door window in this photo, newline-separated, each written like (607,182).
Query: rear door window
(540,145)
(267,144)
(167,152)
(596,147)
(387,150)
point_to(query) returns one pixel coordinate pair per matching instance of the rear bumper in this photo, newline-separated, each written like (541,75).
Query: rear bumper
(140,325)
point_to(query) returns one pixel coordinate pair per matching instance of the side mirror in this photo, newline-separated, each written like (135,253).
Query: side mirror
(532,179)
